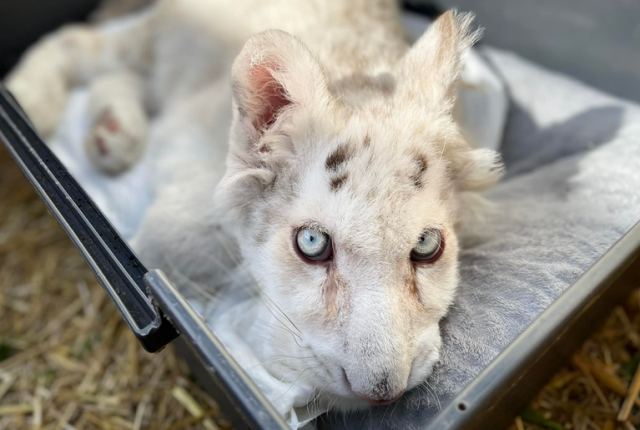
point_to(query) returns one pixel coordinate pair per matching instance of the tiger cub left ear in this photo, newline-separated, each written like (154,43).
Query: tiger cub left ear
(430,69)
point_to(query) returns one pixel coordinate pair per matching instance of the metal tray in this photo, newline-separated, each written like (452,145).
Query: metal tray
(157,313)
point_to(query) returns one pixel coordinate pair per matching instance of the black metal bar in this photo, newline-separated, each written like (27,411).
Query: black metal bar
(251,405)
(117,268)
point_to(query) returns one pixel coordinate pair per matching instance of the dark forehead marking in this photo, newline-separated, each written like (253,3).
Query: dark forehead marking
(421,164)
(341,154)
(367,141)
(338,181)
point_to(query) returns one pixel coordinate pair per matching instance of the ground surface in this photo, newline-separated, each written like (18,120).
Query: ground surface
(67,361)
(66,358)
(590,391)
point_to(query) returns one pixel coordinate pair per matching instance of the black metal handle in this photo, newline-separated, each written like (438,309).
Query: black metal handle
(117,268)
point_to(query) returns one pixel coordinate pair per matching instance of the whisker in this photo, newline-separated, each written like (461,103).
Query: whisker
(291,385)
(277,307)
(275,360)
(444,146)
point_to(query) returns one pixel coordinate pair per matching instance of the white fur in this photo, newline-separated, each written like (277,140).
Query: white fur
(347,77)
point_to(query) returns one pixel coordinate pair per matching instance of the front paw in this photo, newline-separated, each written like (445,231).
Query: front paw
(116,141)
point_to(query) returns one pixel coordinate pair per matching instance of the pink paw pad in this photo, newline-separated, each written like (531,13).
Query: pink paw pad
(101,145)
(108,121)
(112,145)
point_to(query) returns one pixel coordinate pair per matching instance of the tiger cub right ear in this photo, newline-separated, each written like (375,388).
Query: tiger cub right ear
(273,73)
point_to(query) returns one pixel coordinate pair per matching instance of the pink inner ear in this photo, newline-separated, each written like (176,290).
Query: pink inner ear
(271,96)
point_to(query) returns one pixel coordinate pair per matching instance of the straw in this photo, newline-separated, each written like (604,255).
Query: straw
(67,361)
(632,397)
(599,388)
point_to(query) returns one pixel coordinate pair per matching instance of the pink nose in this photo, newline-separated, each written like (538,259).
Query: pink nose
(382,400)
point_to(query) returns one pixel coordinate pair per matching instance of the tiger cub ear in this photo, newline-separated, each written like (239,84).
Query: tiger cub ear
(430,70)
(274,76)
(273,73)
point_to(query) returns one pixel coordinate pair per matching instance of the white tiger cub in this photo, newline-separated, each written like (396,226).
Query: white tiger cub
(344,174)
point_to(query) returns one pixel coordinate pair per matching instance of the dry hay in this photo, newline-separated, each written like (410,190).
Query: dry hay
(598,390)
(66,358)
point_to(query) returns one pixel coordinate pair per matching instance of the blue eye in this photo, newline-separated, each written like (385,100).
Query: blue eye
(429,247)
(313,244)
